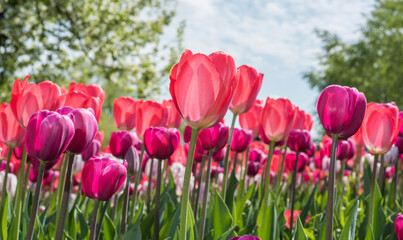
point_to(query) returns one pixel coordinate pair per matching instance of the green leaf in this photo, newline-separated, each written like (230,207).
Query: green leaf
(348,232)
(191,231)
(240,206)
(171,225)
(229,194)
(222,219)
(300,232)
(308,205)
(108,228)
(4,219)
(267,222)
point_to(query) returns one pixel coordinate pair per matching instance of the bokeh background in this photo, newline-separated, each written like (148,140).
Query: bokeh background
(129,47)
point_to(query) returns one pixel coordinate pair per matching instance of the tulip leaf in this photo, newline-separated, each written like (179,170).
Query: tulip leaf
(348,231)
(240,206)
(83,224)
(191,226)
(229,193)
(367,178)
(108,228)
(228,234)
(308,205)
(300,232)
(267,221)
(222,219)
(4,218)
(171,225)
(379,219)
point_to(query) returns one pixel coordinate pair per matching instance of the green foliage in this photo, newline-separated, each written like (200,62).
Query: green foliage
(113,43)
(373,64)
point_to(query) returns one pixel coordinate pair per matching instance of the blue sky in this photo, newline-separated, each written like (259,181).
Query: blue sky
(276,37)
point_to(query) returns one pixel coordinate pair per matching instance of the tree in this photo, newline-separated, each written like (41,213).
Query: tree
(373,64)
(115,43)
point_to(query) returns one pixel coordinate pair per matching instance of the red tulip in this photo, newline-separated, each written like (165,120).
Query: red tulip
(277,118)
(102,177)
(48,135)
(86,96)
(341,110)
(265,140)
(241,140)
(299,140)
(120,142)
(287,216)
(290,158)
(302,121)
(399,226)
(215,138)
(202,87)
(11,133)
(124,112)
(160,142)
(380,127)
(248,85)
(174,119)
(150,114)
(26,99)
(251,119)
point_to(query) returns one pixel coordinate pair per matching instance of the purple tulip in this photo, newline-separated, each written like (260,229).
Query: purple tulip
(48,135)
(341,110)
(253,168)
(120,142)
(160,142)
(85,127)
(102,177)
(255,155)
(299,140)
(245,237)
(133,161)
(312,150)
(215,138)
(91,150)
(345,149)
(399,143)
(241,140)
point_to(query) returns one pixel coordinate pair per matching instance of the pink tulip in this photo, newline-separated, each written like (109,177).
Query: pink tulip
(47,127)
(120,142)
(290,159)
(341,110)
(299,140)
(220,155)
(202,87)
(245,237)
(150,114)
(215,138)
(399,226)
(251,119)
(399,143)
(124,112)
(160,142)
(102,177)
(11,133)
(174,119)
(302,121)
(277,118)
(345,149)
(241,140)
(401,128)
(248,85)
(91,150)
(380,127)
(253,168)
(187,134)
(255,155)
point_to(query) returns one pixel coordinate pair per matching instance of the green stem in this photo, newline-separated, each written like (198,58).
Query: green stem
(196,205)
(265,186)
(292,193)
(27,172)
(330,188)
(381,178)
(101,219)
(205,195)
(235,162)
(94,220)
(372,194)
(157,203)
(136,184)
(279,177)
(18,204)
(394,196)
(60,183)
(35,203)
(186,183)
(226,160)
(150,182)
(244,171)
(125,207)
(4,188)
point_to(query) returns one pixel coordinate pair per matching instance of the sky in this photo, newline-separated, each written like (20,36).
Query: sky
(276,37)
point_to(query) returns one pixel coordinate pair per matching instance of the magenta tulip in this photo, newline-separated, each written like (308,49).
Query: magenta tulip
(160,142)
(47,127)
(399,226)
(241,140)
(341,110)
(299,140)
(399,143)
(120,142)
(102,177)
(290,159)
(187,133)
(256,155)
(245,237)
(253,168)
(346,149)
(215,138)
(220,155)
(91,150)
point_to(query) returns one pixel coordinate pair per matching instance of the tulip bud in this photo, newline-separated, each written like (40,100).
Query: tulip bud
(215,138)
(299,140)
(160,142)
(241,140)
(132,159)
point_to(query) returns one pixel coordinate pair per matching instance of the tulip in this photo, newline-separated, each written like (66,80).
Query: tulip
(291,159)
(241,140)
(132,159)
(92,150)
(247,237)
(120,142)
(253,168)
(256,155)
(174,119)
(220,155)
(150,114)
(401,127)
(160,142)
(26,99)
(302,121)
(345,149)
(215,138)
(299,140)
(399,226)
(187,134)
(251,119)
(10,184)
(124,112)
(202,89)
(86,96)
(248,86)
(341,111)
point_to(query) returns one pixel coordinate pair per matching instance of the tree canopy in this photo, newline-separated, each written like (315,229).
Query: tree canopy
(373,64)
(115,43)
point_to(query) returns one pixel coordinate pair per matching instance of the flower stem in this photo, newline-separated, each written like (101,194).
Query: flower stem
(94,220)
(65,197)
(136,184)
(101,219)
(394,196)
(381,178)
(245,172)
(226,161)
(205,195)
(186,183)
(372,194)
(292,193)
(60,183)
(4,188)
(27,172)
(125,207)
(35,203)
(157,203)
(150,182)
(265,186)
(330,189)
(279,177)
(196,201)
